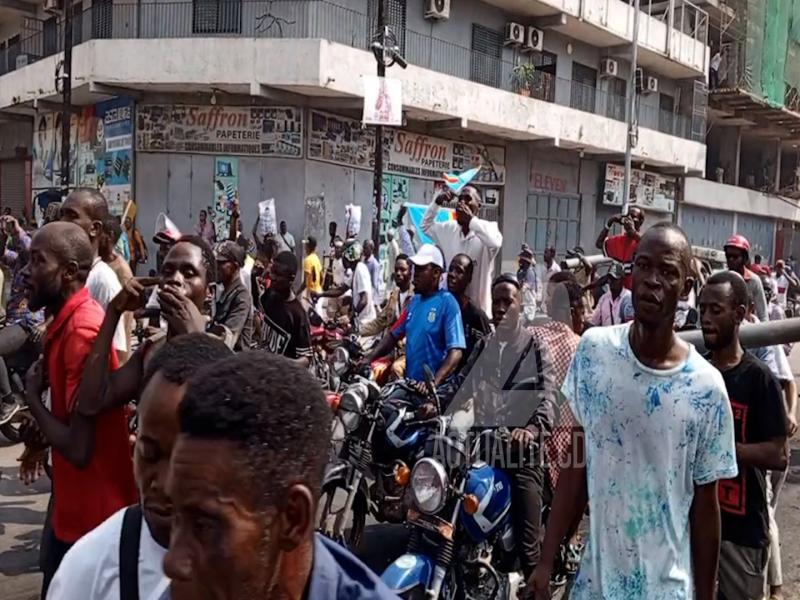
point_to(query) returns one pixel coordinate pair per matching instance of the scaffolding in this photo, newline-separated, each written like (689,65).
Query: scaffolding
(760,51)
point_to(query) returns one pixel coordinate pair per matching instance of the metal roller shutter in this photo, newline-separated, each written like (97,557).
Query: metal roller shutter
(12,186)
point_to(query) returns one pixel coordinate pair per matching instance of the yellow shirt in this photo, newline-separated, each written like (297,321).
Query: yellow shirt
(312,272)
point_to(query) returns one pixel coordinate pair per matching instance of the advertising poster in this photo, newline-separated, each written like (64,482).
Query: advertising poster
(383,101)
(651,191)
(396,192)
(236,130)
(46,151)
(226,192)
(346,142)
(114,161)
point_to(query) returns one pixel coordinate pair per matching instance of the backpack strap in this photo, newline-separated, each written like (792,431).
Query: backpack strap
(129,553)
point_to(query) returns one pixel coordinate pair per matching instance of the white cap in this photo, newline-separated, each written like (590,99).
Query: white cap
(428,254)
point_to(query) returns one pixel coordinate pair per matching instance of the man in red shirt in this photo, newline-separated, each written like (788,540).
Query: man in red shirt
(92,466)
(622,247)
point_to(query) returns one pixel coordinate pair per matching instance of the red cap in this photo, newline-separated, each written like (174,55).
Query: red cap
(738,241)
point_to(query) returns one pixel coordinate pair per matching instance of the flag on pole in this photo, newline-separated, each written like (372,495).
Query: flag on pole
(457,182)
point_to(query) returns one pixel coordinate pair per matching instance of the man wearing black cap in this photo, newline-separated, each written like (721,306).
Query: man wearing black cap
(234,307)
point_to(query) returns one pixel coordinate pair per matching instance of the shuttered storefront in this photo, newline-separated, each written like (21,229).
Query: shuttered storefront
(12,186)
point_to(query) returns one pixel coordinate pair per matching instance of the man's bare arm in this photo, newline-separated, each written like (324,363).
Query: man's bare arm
(704,526)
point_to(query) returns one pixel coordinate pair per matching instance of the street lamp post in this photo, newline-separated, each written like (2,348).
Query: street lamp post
(631,118)
(387,53)
(66,99)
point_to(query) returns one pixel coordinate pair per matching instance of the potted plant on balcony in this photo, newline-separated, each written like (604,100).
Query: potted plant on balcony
(523,77)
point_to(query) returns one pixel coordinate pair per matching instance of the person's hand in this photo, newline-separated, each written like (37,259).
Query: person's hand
(791,425)
(445,195)
(34,378)
(615,219)
(627,223)
(426,411)
(539,583)
(133,295)
(37,333)
(31,464)
(179,311)
(465,210)
(343,321)
(523,437)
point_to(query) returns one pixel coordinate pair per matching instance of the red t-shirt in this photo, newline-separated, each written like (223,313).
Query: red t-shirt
(622,248)
(84,498)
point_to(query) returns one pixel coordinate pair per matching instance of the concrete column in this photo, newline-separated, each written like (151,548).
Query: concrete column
(738,162)
(779,155)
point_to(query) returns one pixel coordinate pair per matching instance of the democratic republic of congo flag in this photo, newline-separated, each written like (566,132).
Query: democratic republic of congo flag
(457,182)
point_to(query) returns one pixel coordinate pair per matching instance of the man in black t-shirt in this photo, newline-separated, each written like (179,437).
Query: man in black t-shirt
(286,327)
(760,430)
(476,323)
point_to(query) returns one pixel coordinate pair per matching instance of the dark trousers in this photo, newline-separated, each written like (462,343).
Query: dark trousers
(51,551)
(526,509)
(12,339)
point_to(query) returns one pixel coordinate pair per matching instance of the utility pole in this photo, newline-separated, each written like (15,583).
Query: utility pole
(631,116)
(387,53)
(66,98)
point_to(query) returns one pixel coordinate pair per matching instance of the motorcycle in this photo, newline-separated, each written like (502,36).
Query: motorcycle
(384,435)
(462,540)
(11,428)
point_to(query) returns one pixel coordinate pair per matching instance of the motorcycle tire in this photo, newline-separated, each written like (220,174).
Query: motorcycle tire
(11,431)
(353,537)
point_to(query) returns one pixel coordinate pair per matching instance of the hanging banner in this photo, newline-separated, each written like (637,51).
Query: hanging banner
(344,141)
(243,130)
(651,191)
(383,101)
(226,193)
(101,151)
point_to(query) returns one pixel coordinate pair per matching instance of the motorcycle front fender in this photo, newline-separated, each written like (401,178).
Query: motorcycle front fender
(409,571)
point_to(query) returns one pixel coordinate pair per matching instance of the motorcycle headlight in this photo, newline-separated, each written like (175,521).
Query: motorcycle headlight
(429,485)
(351,407)
(341,360)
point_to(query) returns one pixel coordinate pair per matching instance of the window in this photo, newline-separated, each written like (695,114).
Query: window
(3,59)
(487,55)
(216,16)
(544,82)
(584,87)
(395,17)
(666,113)
(615,102)
(50,36)
(102,19)
(77,23)
(13,52)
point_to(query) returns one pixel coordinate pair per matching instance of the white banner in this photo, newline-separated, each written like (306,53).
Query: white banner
(383,101)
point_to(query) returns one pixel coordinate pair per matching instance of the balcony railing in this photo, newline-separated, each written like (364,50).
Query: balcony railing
(320,19)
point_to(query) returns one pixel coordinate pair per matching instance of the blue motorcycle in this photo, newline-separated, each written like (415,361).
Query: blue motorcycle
(384,436)
(462,540)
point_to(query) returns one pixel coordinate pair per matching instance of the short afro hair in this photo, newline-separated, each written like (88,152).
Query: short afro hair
(180,357)
(273,411)
(286,259)
(209,260)
(740,295)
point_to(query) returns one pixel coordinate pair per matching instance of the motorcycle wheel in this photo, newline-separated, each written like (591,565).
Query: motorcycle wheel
(352,536)
(11,431)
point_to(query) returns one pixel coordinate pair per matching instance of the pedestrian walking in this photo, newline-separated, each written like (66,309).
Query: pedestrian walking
(636,392)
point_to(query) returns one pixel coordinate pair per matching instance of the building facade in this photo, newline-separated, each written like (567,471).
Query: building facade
(185,105)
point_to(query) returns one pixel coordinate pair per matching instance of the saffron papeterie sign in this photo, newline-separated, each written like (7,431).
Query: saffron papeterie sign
(242,130)
(345,141)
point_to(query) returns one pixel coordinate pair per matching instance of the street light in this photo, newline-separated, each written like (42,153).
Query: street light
(387,53)
(631,118)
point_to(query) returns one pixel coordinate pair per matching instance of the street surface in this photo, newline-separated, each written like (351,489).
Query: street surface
(22,512)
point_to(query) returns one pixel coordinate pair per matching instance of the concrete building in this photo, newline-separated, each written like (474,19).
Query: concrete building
(181,103)
(752,180)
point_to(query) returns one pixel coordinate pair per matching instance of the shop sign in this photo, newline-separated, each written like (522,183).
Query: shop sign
(650,191)
(344,141)
(237,130)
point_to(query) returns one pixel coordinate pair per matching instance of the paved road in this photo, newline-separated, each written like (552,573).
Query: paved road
(22,511)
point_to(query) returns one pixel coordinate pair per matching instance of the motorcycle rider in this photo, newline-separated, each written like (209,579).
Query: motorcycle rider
(359,284)
(476,323)
(510,384)
(431,324)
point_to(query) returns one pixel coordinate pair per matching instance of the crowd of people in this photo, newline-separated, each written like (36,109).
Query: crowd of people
(680,455)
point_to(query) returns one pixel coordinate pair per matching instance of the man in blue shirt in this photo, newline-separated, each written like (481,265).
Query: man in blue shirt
(244,478)
(431,324)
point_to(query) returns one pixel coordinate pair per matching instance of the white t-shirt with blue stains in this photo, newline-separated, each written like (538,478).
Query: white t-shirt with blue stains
(651,436)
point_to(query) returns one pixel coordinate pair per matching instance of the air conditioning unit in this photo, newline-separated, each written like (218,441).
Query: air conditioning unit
(651,85)
(609,68)
(534,40)
(437,10)
(515,34)
(22,61)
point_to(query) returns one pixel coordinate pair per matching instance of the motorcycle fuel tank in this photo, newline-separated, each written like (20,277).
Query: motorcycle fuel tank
(492,488)
(407,572)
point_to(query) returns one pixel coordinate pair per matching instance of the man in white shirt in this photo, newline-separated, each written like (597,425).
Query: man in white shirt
(544,272)
(783,280)
(615,306)
(87,208)
(480,240)
(91,569)
(285,239)
(359,285)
